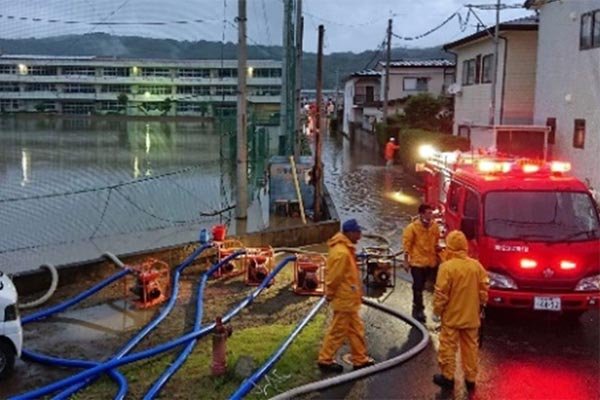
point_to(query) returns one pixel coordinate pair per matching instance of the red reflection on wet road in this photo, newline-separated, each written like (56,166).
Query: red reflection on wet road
(552,379)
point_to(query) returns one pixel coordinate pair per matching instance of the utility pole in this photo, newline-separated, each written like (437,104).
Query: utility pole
(284,74)
(386,86)
(318,169)
(242,140)
(299,34)
(493,120)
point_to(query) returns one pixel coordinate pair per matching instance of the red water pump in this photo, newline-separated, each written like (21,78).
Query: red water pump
(259,263)
(233,267)
(151,283)
(379,267)
(309,274)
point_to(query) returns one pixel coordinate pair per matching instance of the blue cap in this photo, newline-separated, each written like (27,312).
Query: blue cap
(351,226)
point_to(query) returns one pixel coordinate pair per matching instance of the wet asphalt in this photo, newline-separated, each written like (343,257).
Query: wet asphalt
(524,355)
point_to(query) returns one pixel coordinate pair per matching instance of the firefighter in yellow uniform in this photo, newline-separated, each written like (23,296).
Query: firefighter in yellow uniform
(419,242)
(344,293)
(461,289)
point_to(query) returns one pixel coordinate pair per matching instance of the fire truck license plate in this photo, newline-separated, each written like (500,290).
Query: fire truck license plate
(546,303)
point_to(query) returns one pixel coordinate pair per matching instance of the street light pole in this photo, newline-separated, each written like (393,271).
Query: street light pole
(493,120)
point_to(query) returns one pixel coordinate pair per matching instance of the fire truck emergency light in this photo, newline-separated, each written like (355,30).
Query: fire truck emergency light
(489,166)
(560,166)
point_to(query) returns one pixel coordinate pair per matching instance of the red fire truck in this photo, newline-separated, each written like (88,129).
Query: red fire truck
(533,226)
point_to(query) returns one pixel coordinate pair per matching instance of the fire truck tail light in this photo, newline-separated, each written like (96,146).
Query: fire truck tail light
(530,168)
(567,265)
(560,166)
(527,263)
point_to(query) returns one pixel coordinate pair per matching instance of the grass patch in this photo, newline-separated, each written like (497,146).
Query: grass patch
(193,380)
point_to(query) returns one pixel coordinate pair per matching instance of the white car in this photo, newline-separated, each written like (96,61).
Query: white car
(11,333)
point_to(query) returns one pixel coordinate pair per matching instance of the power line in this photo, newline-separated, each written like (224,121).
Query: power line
(461,21)
(377,53)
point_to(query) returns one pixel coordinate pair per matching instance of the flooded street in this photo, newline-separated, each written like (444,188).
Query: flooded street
(382,199)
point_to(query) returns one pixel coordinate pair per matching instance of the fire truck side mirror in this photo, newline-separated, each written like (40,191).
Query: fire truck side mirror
(468,226)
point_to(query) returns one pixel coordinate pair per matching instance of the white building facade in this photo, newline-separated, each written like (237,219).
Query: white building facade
(515,79)
(104,85)
(567,91)
(362,100)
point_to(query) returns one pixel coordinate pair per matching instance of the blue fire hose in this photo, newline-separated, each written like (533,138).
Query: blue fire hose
(53,387)
(251,381)
(164,378)
(148,328)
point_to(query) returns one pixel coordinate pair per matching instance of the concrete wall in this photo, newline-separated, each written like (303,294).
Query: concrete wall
(568,85)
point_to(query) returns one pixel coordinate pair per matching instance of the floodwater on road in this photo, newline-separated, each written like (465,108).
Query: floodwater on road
(383,200)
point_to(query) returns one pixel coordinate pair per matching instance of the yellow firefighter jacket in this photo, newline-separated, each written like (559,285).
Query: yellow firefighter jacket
(419,243)
(342,276)
(461,287)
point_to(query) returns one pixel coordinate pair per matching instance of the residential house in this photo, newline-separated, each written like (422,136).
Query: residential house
(515,78)
(410,77)
(364,90)
(362,101)
(567,90)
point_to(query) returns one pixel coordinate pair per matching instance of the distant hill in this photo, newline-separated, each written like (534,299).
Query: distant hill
(101,44)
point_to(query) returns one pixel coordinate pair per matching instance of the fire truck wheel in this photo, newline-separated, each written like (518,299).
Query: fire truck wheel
(7,359)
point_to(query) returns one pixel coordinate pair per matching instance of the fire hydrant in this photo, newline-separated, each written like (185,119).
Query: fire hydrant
(219,347)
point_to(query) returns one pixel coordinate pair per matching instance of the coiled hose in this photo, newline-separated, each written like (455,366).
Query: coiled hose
(49,293)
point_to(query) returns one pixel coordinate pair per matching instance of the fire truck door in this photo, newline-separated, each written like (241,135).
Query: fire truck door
(454,206)
(471,219)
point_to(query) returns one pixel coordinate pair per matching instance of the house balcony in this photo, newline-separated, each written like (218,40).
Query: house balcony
(363,100)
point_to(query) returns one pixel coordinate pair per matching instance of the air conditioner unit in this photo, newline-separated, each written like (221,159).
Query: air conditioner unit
(454,89)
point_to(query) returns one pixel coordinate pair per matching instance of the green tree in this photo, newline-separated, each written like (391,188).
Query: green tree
(123,99)
(166,105)
(421,111)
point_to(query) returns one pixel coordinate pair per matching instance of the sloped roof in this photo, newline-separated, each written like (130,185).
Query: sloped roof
(529,23)
(432,63)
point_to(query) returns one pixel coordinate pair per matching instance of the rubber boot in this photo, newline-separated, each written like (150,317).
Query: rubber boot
(418,309)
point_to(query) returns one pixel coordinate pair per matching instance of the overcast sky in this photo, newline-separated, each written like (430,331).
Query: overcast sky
(350,25)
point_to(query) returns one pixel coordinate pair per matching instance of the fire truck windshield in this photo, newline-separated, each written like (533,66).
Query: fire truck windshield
(541,216)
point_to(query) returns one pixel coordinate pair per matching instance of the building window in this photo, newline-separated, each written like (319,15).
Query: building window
(9,87)
(264,91)
(478,68)
(8,69)
(156,72)
(193,73)
(551,123)
(41,70)
(228,73)
(115,71)
(266,73)
(589,36)
(487,68)
(464,131)
(80,71)
(77,88)
(468,72)
(40,87)
(157,90)
(225,90)
(579,134)
(415,84)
